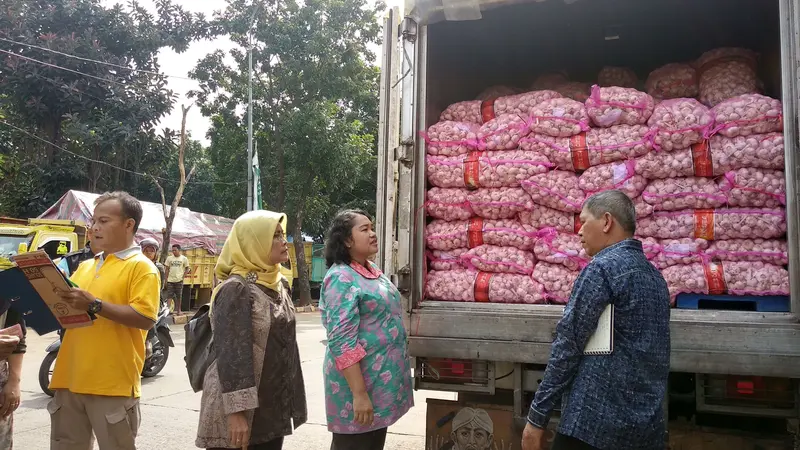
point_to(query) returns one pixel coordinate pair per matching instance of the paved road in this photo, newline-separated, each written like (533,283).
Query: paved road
(170,408)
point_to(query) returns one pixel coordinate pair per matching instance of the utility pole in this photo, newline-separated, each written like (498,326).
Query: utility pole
(250,110)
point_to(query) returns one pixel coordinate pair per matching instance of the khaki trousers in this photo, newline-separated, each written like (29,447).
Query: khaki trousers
(74,417)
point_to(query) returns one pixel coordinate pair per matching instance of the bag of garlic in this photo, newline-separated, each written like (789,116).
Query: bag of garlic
(482,287)
(714,224)
(729,277)
(441,235)
(498,259)
(485,169)
(609,106)
(594,147)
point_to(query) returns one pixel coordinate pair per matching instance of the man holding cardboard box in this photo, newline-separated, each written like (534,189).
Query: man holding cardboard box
(97,374)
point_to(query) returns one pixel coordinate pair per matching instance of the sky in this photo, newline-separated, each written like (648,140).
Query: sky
(173,63)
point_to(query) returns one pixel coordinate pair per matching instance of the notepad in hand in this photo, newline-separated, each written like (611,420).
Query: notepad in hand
(602,341)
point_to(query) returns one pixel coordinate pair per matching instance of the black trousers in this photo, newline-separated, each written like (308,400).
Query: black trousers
(564,442)
(275,444)
(374,440)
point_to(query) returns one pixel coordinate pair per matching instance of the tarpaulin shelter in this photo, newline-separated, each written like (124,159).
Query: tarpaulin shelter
(220,226)
(189,230)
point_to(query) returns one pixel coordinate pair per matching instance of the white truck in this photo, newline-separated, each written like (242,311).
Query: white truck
(731,370)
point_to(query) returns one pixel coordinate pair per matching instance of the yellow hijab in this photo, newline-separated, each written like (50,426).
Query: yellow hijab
(248,247)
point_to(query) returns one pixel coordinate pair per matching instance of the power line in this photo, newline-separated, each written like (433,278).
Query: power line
(63,68)
(86,158)
(95,60)
(61,84)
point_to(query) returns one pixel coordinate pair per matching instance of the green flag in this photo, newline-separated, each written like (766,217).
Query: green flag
(257,201)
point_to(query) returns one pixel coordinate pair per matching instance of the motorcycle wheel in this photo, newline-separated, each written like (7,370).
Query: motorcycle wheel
(155,364)
(46,371)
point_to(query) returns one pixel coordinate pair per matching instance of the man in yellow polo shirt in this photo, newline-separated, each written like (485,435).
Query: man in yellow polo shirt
(97,375)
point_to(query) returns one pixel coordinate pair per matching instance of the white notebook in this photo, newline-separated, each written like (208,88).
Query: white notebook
(602,341)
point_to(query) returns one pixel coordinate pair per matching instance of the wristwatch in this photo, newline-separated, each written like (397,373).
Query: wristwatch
(96,306)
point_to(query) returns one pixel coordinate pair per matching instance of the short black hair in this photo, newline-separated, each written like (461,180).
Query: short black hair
(616,203)
(341,229)
(131,208)
(178,246)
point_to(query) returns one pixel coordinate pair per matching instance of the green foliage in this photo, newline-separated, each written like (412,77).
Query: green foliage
(102,113)
(315,105)
(314,111)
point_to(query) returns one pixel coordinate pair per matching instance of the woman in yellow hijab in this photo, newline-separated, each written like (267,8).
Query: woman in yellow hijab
(253,391)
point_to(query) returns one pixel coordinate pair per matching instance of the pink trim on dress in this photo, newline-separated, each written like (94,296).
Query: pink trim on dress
(350,357)
(371,273)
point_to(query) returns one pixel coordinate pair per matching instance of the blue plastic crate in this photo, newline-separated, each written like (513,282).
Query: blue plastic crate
(770,303)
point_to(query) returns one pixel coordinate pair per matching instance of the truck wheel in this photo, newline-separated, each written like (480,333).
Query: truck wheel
(46,371)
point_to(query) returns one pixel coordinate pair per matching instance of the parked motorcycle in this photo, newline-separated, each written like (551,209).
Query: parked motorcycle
(157,346)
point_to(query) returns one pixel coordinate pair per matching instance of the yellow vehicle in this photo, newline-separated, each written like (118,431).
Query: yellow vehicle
(55,237)
(200,281)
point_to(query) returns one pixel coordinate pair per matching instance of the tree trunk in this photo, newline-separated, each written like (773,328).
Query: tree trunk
(277,138)
(281,178)
(51,131)
(303,285)
(169,218)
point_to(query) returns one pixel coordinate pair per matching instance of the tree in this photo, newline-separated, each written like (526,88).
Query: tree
(315,108)
(169,215)
(57,93)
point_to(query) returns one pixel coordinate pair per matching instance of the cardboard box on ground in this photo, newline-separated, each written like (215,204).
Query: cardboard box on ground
(452,425)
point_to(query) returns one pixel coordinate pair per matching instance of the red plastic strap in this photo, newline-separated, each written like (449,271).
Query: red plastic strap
(704,224)
(487,110)
(579,151)
(715,278)
(475,232)
(482,282)
(701,160)
(472,170)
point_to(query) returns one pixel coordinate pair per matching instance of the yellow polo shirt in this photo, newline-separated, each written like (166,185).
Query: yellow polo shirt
(107,358)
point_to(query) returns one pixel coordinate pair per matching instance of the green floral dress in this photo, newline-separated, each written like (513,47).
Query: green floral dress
(363,316)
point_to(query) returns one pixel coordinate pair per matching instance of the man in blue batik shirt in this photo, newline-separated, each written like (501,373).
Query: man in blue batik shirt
(608,401)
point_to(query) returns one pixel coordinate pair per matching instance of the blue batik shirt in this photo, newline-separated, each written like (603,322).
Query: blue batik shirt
(611,401)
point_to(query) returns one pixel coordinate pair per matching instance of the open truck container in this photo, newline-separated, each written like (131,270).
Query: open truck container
(439,54)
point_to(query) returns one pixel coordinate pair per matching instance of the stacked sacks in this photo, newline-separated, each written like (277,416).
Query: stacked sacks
(728,192)
(477,245)
(509,176)
(505,193)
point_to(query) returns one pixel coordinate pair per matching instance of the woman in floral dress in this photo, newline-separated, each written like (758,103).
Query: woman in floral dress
(366,369)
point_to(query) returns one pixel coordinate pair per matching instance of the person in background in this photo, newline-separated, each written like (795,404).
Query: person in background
(366,369)
(253,391)
(608,401)
(12,349)
(97,376)
(150,249)
(177,268)
(70,262)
